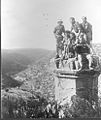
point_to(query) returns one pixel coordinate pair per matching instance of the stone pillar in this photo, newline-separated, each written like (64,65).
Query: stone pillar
(64,87)
(82,83)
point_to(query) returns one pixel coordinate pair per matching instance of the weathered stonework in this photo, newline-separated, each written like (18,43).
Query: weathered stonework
(83,83)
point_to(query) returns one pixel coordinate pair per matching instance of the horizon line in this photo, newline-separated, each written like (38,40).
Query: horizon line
(25,48)
(31,48)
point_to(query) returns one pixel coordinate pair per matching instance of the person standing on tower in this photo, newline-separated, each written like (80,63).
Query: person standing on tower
(59,30)
(87,29)
(74,26)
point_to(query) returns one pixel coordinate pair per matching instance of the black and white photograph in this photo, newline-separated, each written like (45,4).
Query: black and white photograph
(50,59)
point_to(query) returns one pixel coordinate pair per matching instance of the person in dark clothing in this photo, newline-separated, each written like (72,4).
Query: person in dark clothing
(83,53)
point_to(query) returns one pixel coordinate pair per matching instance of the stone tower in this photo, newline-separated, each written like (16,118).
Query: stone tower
(83,83)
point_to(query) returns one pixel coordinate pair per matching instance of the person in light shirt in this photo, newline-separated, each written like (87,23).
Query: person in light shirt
(74,26)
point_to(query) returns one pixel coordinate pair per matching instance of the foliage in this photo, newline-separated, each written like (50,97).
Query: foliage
(23,104)
(19,104)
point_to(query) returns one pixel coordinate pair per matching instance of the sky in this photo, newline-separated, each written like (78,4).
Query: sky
(30,23)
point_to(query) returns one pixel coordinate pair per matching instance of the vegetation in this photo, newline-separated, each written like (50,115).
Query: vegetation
(24,104)
(28,88)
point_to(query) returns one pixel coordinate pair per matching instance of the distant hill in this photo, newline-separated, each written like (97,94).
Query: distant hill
(35,54)
(17,60)
(14,61)
(32,67)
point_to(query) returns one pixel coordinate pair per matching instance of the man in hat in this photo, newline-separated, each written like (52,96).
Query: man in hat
(59,30)
(87,30)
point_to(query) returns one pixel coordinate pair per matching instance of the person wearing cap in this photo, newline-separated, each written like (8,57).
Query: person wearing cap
(59,30)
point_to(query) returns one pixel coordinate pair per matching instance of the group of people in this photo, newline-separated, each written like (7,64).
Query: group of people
(74,43)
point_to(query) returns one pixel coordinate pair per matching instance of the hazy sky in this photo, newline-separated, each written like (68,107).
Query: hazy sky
(30,23)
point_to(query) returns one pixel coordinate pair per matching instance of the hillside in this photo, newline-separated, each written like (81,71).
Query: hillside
(9,82)
(39,77)
(19,60)
(29,73)
(14,61)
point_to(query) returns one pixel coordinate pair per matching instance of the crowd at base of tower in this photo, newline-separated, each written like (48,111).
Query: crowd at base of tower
(75,45)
